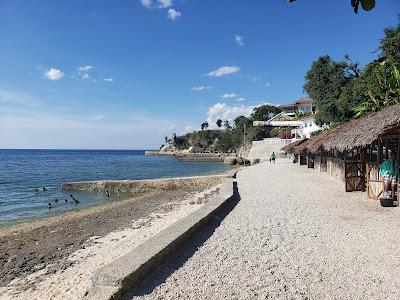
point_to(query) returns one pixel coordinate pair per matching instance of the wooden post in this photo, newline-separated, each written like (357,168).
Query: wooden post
(370,152)
(379,152)
(363,154)
(398,149)
(386,149)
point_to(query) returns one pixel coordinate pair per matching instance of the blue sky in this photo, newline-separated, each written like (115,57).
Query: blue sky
(124,74)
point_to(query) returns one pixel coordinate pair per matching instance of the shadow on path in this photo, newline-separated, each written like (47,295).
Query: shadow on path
(177,260)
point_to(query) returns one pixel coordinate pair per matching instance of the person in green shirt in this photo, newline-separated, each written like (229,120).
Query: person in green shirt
(389,171)
(273,157)
(390,167)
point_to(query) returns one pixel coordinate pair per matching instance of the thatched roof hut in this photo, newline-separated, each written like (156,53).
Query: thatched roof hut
(364,131)
(318,142)
(290,147)
(302,148)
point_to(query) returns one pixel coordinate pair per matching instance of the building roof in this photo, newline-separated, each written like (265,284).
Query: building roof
(298,102)
(289,148)
(304,101)
(364,131)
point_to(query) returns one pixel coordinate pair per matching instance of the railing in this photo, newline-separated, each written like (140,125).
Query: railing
(274,141)
(278,123)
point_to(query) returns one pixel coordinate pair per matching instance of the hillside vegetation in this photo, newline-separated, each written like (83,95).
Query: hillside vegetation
(229,137)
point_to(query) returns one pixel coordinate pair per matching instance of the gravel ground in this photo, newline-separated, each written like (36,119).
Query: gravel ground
(293,234)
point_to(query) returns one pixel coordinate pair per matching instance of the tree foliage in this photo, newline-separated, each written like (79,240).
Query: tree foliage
(326,82)
(204,126)
(367,5)
(390,45)
(342,91)
(227,125)
(264,112)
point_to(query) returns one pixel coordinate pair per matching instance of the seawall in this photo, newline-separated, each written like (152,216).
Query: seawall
(145,186)
(193,157)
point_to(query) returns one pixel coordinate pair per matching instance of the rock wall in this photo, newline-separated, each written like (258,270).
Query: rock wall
(264,151)
(146,186)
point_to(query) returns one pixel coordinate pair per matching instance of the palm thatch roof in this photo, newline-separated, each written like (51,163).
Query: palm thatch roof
(289,147)
(302,148)
(364,131)
(319,141)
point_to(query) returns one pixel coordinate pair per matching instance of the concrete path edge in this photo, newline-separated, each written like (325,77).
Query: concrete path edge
(113,280)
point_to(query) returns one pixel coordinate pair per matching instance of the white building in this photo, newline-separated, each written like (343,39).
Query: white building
(303,127)
(301,106)
(306,128)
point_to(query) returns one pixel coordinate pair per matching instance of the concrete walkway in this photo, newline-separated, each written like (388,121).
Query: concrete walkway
(292,234)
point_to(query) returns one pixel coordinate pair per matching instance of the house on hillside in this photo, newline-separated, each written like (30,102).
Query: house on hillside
(306,129)
(300,106)
(299,115)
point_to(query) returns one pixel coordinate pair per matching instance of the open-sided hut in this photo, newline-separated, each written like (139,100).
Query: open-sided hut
(354,151)
(290,149)
(300,151)
(327,160)
(364,144)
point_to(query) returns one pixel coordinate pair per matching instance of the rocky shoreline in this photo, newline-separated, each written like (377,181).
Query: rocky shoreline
(43,259)
(191,157)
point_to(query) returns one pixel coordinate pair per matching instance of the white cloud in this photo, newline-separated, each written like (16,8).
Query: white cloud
(239,40)
(222,71)
(85,69)
(173,14)
(164,3)
(267,84)
(230,96)
(187,128)
(53,74)
(240,99)
(201,88)
(224,112)
(109,79)
(256,78)
(146,3)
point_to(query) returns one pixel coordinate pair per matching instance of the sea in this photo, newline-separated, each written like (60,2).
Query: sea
(24,174)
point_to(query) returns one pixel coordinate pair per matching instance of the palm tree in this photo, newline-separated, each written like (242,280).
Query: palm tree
(204,126)
(227,125)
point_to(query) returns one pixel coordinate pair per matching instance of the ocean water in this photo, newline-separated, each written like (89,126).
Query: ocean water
(24,171)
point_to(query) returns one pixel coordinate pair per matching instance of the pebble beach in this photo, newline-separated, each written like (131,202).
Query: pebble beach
(294,234)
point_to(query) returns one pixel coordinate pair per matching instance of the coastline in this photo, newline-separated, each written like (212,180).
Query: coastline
(50,249)
(191,157)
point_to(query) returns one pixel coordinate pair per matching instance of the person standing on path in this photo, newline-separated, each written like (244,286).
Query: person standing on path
(273,157)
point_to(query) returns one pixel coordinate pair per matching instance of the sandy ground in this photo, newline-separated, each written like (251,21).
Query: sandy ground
(293,234)
(55,258)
